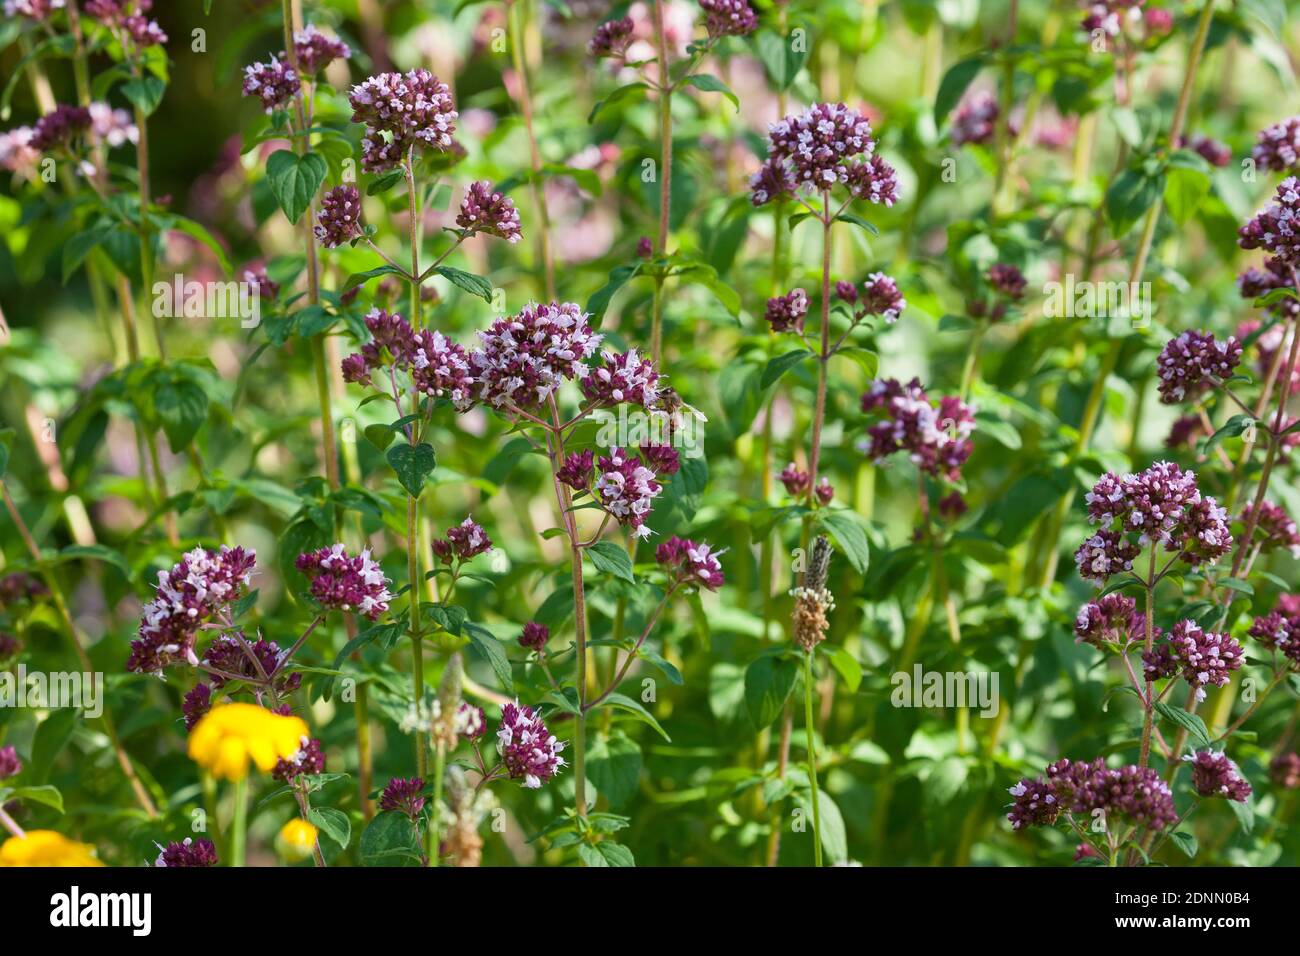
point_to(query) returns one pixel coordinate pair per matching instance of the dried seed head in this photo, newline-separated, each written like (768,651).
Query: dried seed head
(813,603)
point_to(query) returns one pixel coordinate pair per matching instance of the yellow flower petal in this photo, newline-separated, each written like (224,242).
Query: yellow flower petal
(46,848)
(227,736)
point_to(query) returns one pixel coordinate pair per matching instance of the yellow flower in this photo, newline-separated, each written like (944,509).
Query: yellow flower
(227,736)
(46,848)
(297,839)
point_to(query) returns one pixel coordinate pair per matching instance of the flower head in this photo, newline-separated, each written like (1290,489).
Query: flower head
(1274,528)
(523,359)
(1278,147)
(1112,619)
(576,469)
(1284,770)
(344,582)
(201,586)
(936,437)
(401,111)
(689,563)
(488,212)
(529,751)
(1203,658)
(612,38)
(1275,229)
(825,146)
(880,296)
(534,637)
(309,759)
(1007,280)
(1192,362)
(621,377)
(46,848)
(10,765)
(187,853)
(626,489)
(785,313)
(1214,775)
(274,83)
(403,795)
(728,18)
(315,50)
(296,839)
(228,736)
(975,120)
(339,219)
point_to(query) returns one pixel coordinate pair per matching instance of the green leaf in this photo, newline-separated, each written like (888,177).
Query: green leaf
(1186,842)
(711,84)
(487,645)
(628,92)
(381,184)
(612,559)
(615,854)
(381,436)
(96,552)
(360,278)
(46,795)
(1185,190)
(1003,433)
(182,407)
(51,737)
(144,93)
(835,841)
(850,537)
(769,681)
(780,365)
(1194,726)
(1244,811)
(855,219)
(780,59)
(391,839)
(294,180)
(1129,197)
(623,702)
(599,302)
(848,668)
(413,464)
(953,85)
(79,246)
(471,283)
(333,823)
(614,767)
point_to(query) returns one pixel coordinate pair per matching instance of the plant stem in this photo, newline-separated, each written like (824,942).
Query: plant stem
(812,757)
(439,766)
(239,826)
(516,41)
(1148,717)
(417,640)
(665,178)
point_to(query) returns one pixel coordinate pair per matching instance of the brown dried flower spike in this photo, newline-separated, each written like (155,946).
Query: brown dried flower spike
(812,601)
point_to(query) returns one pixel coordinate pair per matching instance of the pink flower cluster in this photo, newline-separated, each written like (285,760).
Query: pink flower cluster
(728,18)
(689,563)
(1082,787)
(403,795)
(32,9)
(128,15)
(935,436)
(401,111)
(230,657)
(1111,620)
(315,50)
(1274,229)
(785,313)
(187,853)
(1192,362)
(339,219)
(344,582)
(1274,528)
(1254,283)
(274,83)
(1108,15)
(1160,505)
(534,637)
(1279,629)
(437,366)
(1278,146)
(523,359)
(621,377)
(488,212)
(1214,775)
(529,751)
(626,489)
(203,585)
(1201,657)
(462,542)
(826,146)
(975,120)
(612,38)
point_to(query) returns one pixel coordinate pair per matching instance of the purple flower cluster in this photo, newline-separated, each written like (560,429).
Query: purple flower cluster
(612,38)
(1254,283)
(1284,770)
(1279,629)
(523,359)
(1278,146)
(1274,229)
(1210,150)
(689,563)
(576,469)
(880,296)
(274,83)
(1082,787)
(128,15)
(728,18)
(1274,528)
(9,646)
(339,219)
(344,582)
(1007,280)
(469,721)
(232,656)
(202,585)
(308,760)
(401,111)
(32,9)
(1192,362)
(621,377)
(464,541)
(315,50)
(1108,15)
(975,120)
(795,480)
(1214,775)
(436,365)
(1161,505)
(534,637)
(663,459)
(403,795)
(626,489)
(187,853)
(936,437)
(488,212)
(827,145)
(785,313)
(60,127)
(1111,620)
(1201,657)
(529,751)
(19,587)
(10,765)
(196,703)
